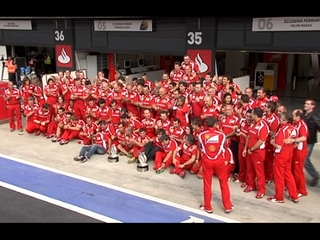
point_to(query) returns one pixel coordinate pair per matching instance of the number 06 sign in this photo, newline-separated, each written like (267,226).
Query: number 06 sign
(286,24)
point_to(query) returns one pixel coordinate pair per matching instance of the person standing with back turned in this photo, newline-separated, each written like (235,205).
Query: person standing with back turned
(212,149)
(313,124)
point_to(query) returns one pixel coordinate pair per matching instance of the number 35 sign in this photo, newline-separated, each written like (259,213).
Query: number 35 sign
(194,38)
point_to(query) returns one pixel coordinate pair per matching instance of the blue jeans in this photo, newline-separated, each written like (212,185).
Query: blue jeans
(90,150)
(309,166)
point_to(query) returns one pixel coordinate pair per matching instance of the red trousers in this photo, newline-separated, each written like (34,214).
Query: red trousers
(283,176)
(14,113)
(52,128)
(218,168)
(268,163)
(33,127)
(242,164)
(231,168)
(255,169)
(79,110)
(136,150)
(160,156)
(297,167)
(70,134)
(181,161)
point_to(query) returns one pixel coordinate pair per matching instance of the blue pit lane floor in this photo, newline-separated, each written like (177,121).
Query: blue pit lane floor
(98,200)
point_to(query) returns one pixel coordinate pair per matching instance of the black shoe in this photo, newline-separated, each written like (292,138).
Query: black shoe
(85,159)
(79,158)
(314,182)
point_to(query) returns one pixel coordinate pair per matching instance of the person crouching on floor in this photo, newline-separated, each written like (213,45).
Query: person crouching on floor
(188,150)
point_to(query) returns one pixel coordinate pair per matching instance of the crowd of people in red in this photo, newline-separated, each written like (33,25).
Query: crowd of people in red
(181,123)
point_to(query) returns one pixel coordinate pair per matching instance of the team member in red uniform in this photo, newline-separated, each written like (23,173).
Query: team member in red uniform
(243,131)
(273,123)
(140,141)
(146,101)
(182,111)
(92,91)
(92,109)
(300,152)
(235,86)
(131,122)
(65,89)
(197,128)
(190,63)
(163,122)
(104,90)
(98,146)
(104,111)
(176,132)
(212,149)
(117,94)
(228,124)
(208,110)
(187,158)
(27,89)
(115,111)
(29,111)
(51,91)
(38,91)
(161,103)
(42,118)
(177,73)
(256,151)
(208,82)
(196,99)
(283,161)
(88,130)
(261,99)
(189,76)
(58,104)
(245,106)
(60,127)
(126,146)
(72,129)
(149,123)
(249,92)
(154,145)
(146,81)
(163,159)
(131,99)
(231,164)
(165,81)
(79,95)
(53,125)
(216,98)
(12,97)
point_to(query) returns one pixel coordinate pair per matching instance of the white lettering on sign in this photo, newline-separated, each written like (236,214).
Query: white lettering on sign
(125,25)
(194,38)
(59,36)
(286,24)
(15,25)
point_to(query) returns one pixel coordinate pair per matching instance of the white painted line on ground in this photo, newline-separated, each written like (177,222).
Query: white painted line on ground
(213,216)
